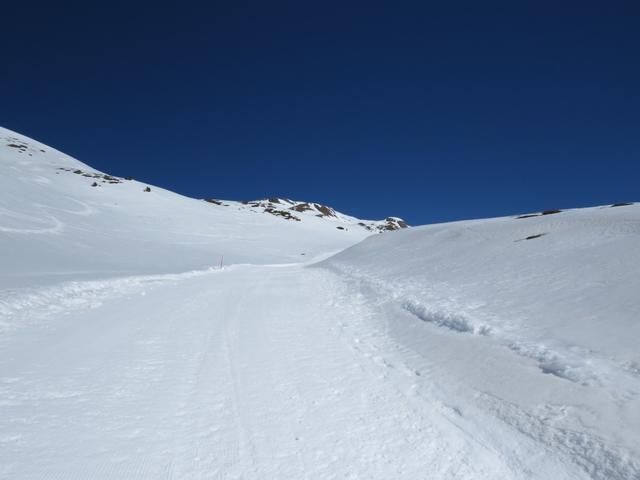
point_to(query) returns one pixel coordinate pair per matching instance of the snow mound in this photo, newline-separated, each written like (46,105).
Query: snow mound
(525,314)
(569,280)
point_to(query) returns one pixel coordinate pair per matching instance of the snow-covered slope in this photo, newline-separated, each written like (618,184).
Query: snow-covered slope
(571,279)
(59,218)
(491,349)
(535,319)
(299,211)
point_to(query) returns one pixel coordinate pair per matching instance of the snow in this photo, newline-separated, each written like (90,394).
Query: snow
(500,348)
(54,225)
(538,334)
(219,387)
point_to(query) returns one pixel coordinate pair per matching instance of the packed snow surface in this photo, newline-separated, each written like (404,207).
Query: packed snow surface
(490,349)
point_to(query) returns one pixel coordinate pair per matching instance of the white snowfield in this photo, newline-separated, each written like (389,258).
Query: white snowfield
(54,225)
(490,349)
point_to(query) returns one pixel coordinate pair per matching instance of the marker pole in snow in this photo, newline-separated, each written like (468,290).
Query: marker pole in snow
(221,260)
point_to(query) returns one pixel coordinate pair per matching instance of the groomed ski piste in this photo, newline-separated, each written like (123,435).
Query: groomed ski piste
(503,348)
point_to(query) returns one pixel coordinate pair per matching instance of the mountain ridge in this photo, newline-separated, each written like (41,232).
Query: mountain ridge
(66,217)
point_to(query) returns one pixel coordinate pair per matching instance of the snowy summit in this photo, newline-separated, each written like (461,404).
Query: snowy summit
(148,335)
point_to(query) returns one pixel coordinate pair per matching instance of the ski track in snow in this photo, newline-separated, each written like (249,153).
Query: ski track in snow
(259,372)
(585,368)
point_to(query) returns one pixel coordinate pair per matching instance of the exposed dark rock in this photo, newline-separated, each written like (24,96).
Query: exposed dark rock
(103,176)
(281,213)
(301,207)
(397,221)
(392,223)
(544,212)
(326,211)
(531,237)
(276,206)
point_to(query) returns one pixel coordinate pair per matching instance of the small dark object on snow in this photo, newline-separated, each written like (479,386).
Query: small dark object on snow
(94,184)
(544,212)
(78,172)
(622,204)
(148,189)
(531,237)
(340,228)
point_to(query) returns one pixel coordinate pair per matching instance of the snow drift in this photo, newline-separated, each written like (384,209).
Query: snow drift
(538,312)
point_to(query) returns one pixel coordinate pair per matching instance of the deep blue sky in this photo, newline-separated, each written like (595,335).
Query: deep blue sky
(377,108)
